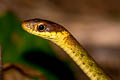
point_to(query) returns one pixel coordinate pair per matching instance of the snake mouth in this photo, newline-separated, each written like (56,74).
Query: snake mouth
(24,26)
(27,26)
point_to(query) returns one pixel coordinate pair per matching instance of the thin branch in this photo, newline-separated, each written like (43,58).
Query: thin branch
(0,63)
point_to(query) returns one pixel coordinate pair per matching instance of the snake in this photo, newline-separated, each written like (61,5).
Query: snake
(59,35)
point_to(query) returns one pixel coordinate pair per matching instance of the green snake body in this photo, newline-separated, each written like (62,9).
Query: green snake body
(60,36)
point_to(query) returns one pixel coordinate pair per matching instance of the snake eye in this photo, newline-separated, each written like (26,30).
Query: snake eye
(41,27)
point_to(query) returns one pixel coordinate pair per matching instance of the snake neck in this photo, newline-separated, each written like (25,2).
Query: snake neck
(68,43)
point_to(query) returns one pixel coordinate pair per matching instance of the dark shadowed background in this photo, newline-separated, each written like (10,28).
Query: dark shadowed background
(95,24)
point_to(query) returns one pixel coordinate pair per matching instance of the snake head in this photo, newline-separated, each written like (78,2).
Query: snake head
(43,28)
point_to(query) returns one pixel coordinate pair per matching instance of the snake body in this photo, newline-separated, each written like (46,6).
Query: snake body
(63,38)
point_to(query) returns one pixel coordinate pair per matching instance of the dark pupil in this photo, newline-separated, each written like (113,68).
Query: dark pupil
(41,27)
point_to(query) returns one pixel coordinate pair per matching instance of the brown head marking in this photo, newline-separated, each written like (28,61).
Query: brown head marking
(41,25)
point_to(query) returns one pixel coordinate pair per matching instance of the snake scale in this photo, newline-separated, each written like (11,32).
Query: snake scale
(63,38)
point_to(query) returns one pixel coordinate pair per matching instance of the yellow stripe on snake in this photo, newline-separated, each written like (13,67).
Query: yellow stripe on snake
(61,37)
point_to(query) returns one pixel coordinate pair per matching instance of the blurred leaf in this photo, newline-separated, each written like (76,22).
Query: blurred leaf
(15,41)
